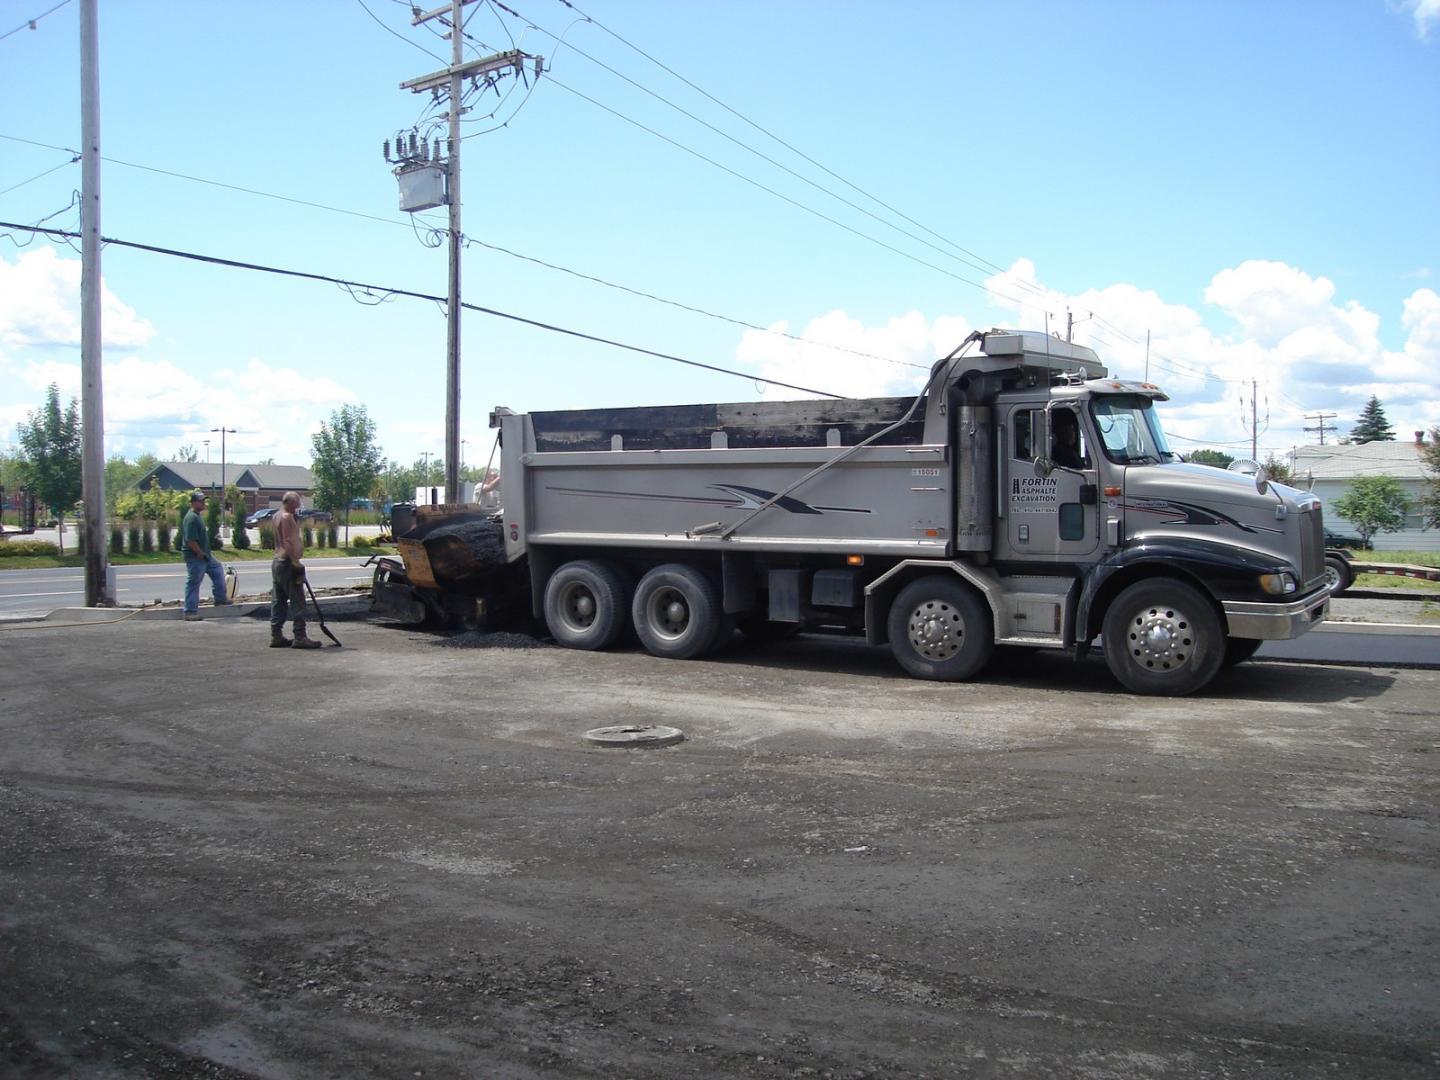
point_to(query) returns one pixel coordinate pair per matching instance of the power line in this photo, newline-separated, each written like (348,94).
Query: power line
(770,134)
(385,289)
(470,241)
(758,153)
(782,197)
(29,24)
(395,33)
(38,176)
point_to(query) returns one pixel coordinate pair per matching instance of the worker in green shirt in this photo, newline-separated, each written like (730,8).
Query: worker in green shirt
(198,560)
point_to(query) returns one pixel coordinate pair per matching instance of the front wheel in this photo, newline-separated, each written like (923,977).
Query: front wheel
(940,629)
(1338,575)
(1163,637)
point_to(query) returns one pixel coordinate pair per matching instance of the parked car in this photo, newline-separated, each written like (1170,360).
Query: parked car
(260,517)
(1335,540)
(310,514)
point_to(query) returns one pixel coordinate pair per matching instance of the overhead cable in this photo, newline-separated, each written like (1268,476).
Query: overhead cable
(386,291)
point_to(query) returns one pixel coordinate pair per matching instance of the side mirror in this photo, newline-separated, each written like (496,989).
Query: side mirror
(1262,482)
(1044,466)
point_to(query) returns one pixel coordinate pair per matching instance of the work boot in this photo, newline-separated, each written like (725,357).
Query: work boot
(192,616)
(224,601)
(279,641)
(303,642)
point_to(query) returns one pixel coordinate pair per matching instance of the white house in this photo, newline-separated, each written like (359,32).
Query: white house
(1327,470)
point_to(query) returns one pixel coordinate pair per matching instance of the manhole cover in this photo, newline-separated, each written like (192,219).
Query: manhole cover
(635,736)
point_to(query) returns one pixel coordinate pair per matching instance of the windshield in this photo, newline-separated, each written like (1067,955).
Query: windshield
(1129,429)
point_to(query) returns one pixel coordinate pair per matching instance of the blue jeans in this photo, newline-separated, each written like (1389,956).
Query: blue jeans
(195,569)
(287,597)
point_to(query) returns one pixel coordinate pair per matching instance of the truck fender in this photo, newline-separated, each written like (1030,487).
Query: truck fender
(1220,571)
(880,592)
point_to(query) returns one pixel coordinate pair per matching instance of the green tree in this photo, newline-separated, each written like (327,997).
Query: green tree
(1277,470)
(1430,497)
(187,453)
(1373,504)
(1372,426)
(212,524)
(50,445)
(345,460)
(1218,458)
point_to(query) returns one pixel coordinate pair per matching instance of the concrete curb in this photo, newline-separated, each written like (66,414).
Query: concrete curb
(240,609)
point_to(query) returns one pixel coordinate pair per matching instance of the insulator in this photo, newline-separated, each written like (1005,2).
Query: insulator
(387,149)
(412,144)
(437,149)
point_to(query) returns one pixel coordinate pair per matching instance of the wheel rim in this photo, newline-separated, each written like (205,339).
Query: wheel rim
(1161,638)
(578,606)
(668,613)
(936,629)
(1332,578)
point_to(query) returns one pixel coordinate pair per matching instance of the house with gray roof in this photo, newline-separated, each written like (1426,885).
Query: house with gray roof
(1328,470)
(260,485)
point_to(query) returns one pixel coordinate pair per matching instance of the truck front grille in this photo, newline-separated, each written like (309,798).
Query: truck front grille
(1312,545)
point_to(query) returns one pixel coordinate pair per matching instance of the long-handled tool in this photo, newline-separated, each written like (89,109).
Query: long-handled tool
(318,614)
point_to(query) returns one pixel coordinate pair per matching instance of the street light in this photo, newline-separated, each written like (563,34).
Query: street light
(223,432)
(207,451)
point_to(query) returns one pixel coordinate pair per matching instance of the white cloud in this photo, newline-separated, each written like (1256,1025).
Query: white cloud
(1426,14)
(837,353)
(40,305)
(1284,329)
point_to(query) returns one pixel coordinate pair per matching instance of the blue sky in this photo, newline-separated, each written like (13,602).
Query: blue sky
(1255,184)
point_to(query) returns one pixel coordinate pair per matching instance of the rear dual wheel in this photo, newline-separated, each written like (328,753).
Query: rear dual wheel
(678,613)
(586,604)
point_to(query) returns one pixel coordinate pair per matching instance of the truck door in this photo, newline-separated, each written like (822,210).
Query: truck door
(1049,514)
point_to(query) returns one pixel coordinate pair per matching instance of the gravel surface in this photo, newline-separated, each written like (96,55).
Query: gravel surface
(395,859)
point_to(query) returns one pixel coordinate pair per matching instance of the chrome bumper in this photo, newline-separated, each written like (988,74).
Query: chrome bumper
(1275,622)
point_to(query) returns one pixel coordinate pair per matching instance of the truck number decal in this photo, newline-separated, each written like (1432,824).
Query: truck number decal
(927,472)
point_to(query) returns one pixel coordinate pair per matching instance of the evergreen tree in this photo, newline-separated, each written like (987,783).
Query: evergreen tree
(1372,427)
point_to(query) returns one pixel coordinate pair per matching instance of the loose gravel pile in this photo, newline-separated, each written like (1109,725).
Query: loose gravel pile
(500,639)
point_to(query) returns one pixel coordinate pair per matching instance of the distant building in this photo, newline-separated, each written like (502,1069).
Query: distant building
(1328,470)
(260,485)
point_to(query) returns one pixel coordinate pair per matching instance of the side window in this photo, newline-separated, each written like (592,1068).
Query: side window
(1067,440)
(1022,436)
(1027,422)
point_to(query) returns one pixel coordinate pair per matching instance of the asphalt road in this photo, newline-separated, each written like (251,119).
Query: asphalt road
(40,590)
(400,858)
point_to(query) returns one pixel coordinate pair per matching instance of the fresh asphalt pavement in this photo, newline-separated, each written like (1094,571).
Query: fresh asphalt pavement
(40,590)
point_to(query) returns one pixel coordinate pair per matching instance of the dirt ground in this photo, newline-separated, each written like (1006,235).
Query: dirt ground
(400,859)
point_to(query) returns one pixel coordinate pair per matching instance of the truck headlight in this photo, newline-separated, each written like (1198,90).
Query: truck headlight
(1278,584)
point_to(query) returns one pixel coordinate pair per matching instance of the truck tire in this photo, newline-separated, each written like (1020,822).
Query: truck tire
(940,629)
(1338,575)
(1163,637)
(677,612)
(586,604)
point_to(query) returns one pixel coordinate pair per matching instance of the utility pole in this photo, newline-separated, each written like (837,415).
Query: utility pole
(98,590)
(416,172)
(1320,419)
(223,431)
(1255,421)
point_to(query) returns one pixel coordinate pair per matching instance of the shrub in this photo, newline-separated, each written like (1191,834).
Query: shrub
(117,540)
(163,536)
(267,538)
(332,536)
(133,542)
(242,538)
(17,548)
(307,537)
(362,542)
(147,541)
(212,523)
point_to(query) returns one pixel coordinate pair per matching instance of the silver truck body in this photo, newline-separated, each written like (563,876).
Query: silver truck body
(821,512)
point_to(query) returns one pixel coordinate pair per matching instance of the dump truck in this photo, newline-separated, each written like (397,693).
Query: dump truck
(1023,499)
